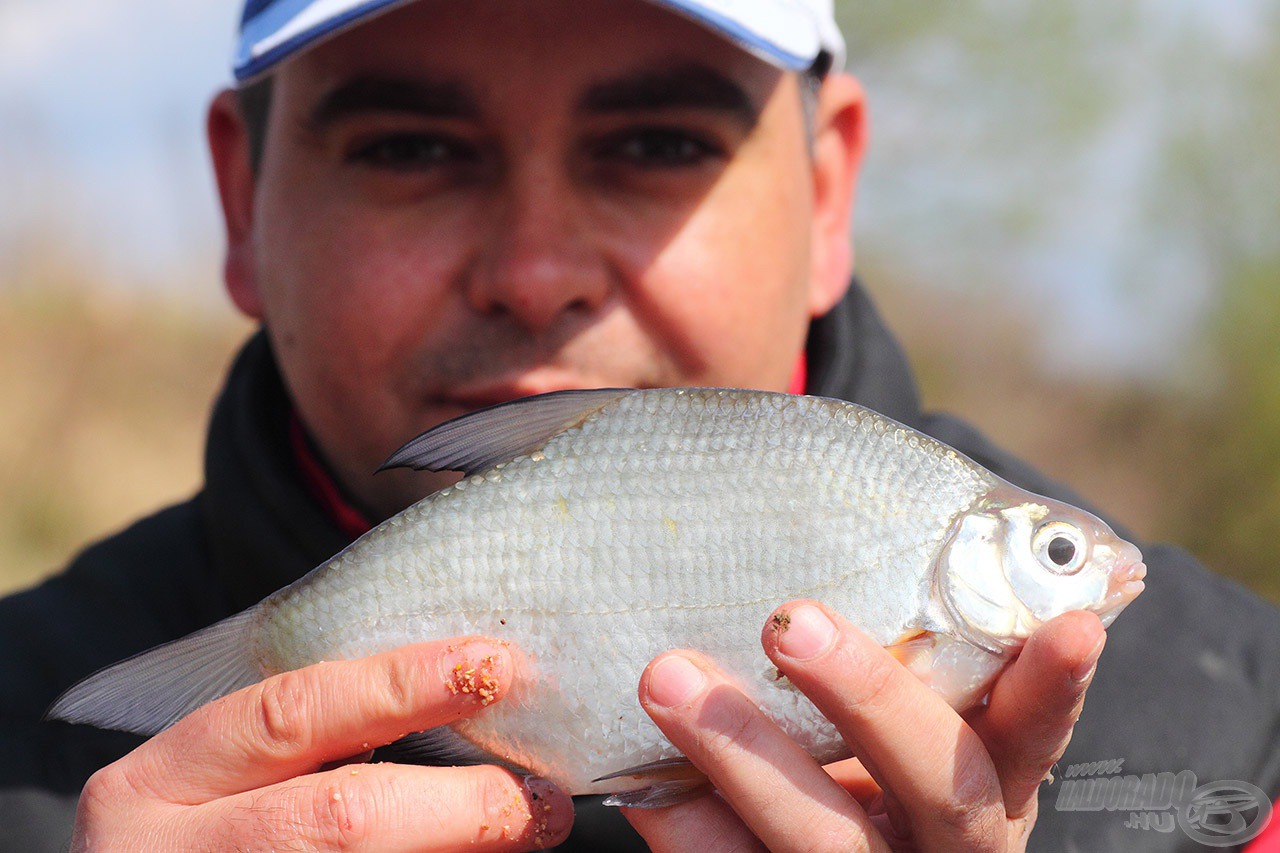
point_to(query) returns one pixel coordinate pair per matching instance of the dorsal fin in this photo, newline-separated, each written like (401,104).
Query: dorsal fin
(481,439)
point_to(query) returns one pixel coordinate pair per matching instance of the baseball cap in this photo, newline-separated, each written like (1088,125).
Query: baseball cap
(790,34)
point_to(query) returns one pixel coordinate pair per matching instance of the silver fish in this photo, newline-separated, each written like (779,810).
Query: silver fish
(596,529)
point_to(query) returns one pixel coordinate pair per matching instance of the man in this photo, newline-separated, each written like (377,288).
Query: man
(435,206)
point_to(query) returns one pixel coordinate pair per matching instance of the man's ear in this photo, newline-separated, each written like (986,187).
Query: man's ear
(232,167)
(840,138)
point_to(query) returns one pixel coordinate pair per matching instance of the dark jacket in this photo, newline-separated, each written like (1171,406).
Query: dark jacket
(1190,679)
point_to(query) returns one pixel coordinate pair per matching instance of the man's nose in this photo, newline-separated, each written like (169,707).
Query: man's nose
(538,262)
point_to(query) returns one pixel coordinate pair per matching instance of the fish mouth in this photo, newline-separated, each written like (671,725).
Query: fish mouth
(1126,585)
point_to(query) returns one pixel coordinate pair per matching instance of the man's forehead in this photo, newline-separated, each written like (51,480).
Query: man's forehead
(654,88)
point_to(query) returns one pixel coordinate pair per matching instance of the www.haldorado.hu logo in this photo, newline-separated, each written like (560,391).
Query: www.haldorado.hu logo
(1217,814)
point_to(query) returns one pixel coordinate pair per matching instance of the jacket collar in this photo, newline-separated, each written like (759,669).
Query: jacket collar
(265,529)
(853,356)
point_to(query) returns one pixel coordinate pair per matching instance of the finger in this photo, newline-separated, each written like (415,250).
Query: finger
(779,791)
(387,807)
(854,778)
(885,812)
(920,750)
(707,823)
(292,724)
(1036,703)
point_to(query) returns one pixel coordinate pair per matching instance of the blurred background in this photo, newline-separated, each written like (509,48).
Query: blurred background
(1069,212)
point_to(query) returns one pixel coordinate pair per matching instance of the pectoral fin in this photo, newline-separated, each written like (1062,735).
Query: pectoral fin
(912,647)
(658,784)
(959,671)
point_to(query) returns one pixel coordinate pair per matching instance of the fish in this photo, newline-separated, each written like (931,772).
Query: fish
(594,529)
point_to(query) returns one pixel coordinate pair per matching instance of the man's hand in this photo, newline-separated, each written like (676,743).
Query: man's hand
(264,767)
(927,778)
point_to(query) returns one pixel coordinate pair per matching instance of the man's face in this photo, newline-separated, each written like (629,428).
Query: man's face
(461,203)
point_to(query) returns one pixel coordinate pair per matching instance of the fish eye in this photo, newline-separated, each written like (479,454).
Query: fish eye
(1061,550)
(1060,547)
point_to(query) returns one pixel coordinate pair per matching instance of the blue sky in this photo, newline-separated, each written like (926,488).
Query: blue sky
(101,129)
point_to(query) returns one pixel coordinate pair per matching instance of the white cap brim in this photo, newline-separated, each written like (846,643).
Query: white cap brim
(789,34)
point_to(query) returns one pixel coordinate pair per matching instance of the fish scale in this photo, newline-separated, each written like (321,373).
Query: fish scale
(598,529)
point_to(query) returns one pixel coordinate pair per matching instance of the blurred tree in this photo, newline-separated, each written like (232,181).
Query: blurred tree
(1110,173)
(1232,517)
(1105,164)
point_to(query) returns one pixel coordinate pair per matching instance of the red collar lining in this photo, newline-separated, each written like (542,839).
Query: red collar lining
(321,484)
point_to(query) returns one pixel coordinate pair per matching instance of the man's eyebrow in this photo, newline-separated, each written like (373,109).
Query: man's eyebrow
(384,94)
(694,86)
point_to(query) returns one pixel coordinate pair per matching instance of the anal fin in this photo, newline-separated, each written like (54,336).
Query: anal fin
(658,784)
(439,747)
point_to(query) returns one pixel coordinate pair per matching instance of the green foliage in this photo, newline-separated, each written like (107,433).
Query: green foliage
(1234,520)
(1114,166)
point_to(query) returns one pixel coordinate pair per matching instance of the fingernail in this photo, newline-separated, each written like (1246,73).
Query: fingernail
(806,634)
(474,668)
(675,681)
(1084,670)
(550,810)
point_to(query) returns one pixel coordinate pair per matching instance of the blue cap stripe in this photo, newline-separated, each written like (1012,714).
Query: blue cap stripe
(253,8)
(263,25)
(276,16)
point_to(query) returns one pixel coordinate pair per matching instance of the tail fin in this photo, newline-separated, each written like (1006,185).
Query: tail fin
(152,690)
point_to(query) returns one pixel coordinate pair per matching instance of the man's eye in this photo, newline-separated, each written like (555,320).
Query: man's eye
(412,151)
(659,148)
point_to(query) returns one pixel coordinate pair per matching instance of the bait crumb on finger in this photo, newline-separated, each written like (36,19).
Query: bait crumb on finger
(480,680)
(541,829)
(781,622)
